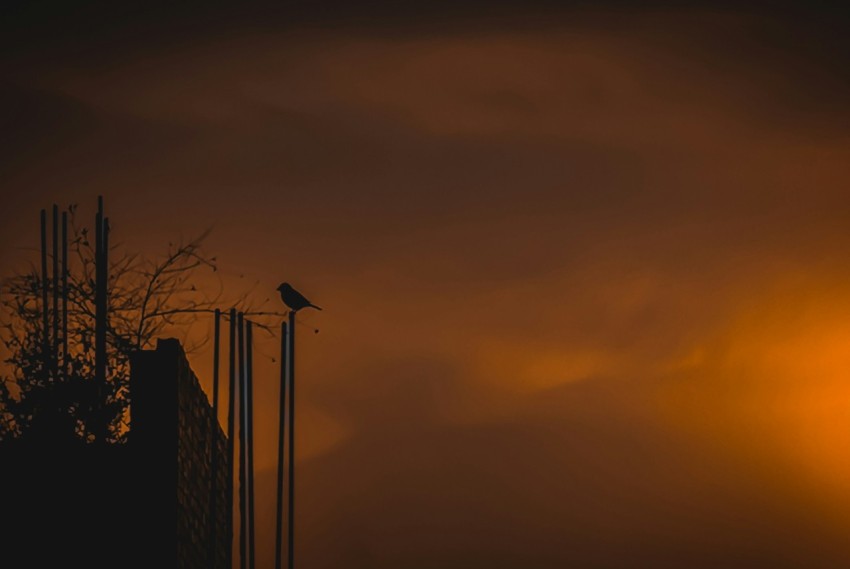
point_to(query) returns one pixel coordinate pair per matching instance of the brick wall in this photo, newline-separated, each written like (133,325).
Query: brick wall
(198,452)
(172,427)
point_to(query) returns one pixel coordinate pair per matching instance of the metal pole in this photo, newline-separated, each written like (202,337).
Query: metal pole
(104,310)
(216,357)
(101,256)
(65,294)
(243,514)
(214,444)
(98,252)
(231,443)
(291,516)
(55,348)
(249,405)
(45,325)
(281,432)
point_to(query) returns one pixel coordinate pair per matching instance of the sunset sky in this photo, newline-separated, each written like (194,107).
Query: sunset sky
(585,271)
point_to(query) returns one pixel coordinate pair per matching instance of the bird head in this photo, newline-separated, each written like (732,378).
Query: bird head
(284,286)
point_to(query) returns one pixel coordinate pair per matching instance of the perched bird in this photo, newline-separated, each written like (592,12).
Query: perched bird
(294,299)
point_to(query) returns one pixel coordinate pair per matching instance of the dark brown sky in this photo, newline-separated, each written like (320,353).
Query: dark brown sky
(584,271)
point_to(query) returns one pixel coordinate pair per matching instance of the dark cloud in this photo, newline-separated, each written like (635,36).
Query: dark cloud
(813,27)
(37,122)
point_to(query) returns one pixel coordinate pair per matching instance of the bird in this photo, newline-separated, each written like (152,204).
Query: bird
(294,299)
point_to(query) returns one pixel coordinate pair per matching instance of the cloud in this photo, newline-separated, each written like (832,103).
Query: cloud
(584,283)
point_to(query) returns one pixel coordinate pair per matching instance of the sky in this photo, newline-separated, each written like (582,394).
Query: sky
(583,267)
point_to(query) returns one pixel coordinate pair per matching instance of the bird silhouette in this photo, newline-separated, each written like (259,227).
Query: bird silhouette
(294,299)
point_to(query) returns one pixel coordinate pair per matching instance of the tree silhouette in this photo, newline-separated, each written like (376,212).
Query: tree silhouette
(55,395)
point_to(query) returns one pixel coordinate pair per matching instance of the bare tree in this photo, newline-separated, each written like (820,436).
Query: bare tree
(147,297)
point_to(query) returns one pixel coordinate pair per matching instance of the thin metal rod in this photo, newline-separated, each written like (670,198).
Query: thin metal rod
(65,358)
(104,310)
(98,253)
(231,420)
(101,279)
(281,433)
(291,513)
(54,359)
(243,514)
(216,358)
(214,443)
(45,325)
(249,405)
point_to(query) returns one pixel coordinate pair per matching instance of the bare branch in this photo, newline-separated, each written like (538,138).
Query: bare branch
(147,297)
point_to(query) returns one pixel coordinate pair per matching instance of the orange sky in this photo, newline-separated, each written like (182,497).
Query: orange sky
(585,281)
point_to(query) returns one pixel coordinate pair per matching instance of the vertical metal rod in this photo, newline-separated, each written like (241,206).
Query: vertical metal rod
(213,530)
(54,359)
(243,514)
(100,318)
(216,357)
(291,516)
(249,405)
(281,433)
(65,294)
(104,324)
(45,324)
(231,442)
(98,252)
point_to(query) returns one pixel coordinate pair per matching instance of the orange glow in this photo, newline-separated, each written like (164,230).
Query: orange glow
(777,384)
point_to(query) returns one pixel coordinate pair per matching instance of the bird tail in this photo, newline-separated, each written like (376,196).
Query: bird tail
(314,306)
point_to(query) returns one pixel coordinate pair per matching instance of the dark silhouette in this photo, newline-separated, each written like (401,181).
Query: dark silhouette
(243,484)
(68,494)
(289,361)
(69,334)
(214,428)
(231,421)
(294,299)
(249,421)
(77,338)
(100,427)
(281,433)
